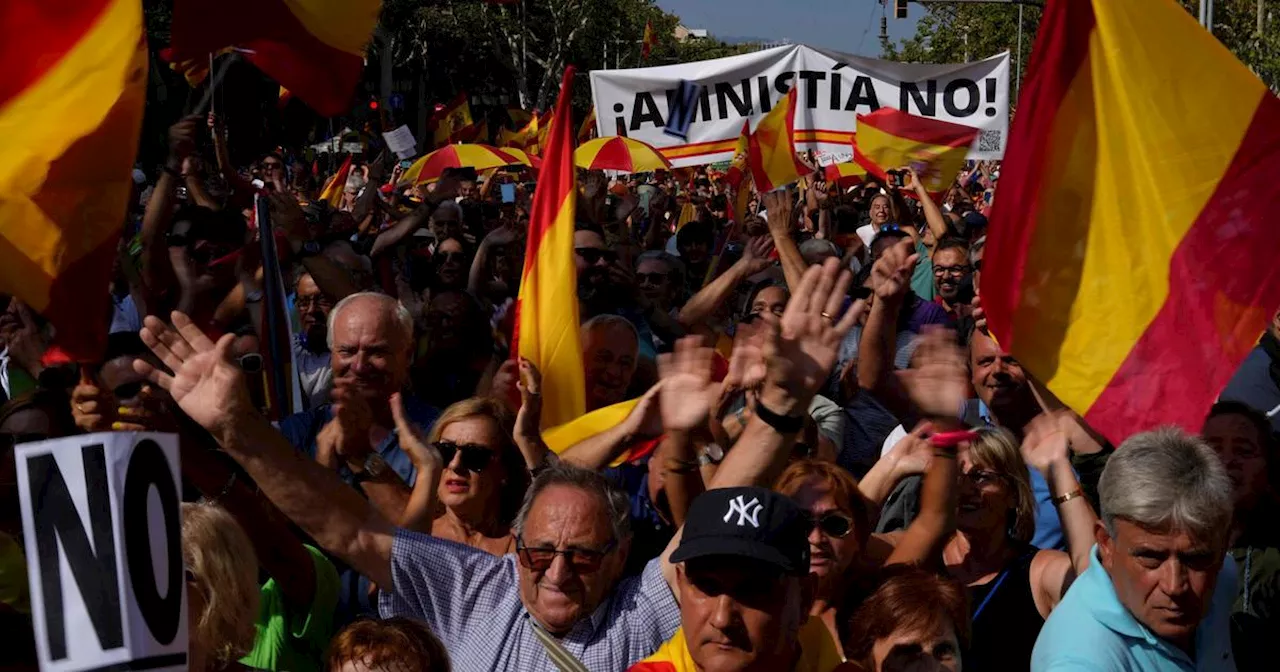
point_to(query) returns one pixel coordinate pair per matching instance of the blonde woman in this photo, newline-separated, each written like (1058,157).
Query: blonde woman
(222,588)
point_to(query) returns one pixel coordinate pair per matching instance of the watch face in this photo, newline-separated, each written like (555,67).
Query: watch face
(375,465)
(714,452)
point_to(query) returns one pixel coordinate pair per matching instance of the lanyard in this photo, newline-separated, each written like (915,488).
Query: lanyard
(996,586)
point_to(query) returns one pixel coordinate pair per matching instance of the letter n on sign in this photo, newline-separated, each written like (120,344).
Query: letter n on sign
(103,532)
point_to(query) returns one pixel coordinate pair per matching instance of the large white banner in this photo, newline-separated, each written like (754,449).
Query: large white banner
(834,88)
(103,531)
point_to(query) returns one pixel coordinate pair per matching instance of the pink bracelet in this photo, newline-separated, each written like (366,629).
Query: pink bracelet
(952,439)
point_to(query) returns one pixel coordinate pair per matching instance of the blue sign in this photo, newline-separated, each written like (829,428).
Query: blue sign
(680,108)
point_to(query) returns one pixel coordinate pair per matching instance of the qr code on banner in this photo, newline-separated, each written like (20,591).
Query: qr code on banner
(989,141)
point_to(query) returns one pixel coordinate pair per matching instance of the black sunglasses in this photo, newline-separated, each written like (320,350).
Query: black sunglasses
(582,560)
(654,278)
(451,256)
(473,457)
(591,255)
(833,524)
(127,390)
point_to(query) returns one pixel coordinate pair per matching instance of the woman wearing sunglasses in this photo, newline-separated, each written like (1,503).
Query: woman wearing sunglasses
(471,476)
(840,527)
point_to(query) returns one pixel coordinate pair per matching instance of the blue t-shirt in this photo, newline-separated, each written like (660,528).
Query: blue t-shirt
(1090,630)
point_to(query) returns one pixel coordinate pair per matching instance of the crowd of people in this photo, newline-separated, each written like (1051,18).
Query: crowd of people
(850,473)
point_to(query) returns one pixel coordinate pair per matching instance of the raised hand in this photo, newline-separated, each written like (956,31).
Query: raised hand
(206,383)
(687,391)
(1045,444)
(91,406)
(777,205)
(182,139)
(425,457)
(352,417)
(913,452)
(801,349)
(645,420)
(891,274)
(939,384)
(528,430)
(755,254)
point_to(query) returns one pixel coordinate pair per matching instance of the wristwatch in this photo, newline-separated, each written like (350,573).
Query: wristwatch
(784,424)
(374,466)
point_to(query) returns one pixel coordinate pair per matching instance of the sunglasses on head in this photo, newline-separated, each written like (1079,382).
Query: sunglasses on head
(833,524)
(592,255)
(471,456)
(582,560)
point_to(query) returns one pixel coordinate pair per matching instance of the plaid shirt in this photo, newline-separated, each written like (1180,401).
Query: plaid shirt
(471,601)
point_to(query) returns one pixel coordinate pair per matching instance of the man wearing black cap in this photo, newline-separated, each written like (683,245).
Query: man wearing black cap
(744,589)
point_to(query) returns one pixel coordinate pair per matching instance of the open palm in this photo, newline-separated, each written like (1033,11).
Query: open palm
(205,383)
(687,391)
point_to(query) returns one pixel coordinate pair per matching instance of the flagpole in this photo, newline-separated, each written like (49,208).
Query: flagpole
(214,80)
(272,296)
(1017,82)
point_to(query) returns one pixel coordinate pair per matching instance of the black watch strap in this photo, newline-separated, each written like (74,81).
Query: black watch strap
(785,424)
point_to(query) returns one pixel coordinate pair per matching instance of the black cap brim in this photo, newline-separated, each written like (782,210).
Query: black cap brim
(690,549)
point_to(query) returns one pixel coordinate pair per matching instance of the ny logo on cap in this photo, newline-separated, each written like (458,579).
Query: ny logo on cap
(748,512)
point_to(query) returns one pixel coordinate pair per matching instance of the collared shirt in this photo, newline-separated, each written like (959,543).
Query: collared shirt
(315,371)
(471,600)
(817,652)
(1091,630)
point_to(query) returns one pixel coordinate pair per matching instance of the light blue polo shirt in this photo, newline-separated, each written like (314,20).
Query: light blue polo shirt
(1091,630)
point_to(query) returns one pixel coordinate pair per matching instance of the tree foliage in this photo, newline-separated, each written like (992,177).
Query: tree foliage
(954,33)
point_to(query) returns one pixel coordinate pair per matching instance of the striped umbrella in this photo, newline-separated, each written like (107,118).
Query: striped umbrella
(481,157)
(619,153)
(522,157)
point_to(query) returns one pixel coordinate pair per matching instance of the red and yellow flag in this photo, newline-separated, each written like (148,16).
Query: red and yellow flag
(738,165)
(194,70)
(890,139)
(544,132)
(332,192)
(1131,262)
(448,123)
(73,86)
(526,138)
(546,330)
(646,45)
(587,130)
(771,151)
(315,48)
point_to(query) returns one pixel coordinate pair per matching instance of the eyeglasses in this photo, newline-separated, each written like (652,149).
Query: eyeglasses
(317,302)
(127,390)
(833,524)
(451,256)
(250,362)
(593,255)
(890,227)
(982,478)
(474,457)
(272,165)
(653,278)
(950,270)
(581,560)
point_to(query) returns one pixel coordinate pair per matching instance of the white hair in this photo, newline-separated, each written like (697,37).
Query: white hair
(450,207)
(603,321)
(401,314)
(1167,479)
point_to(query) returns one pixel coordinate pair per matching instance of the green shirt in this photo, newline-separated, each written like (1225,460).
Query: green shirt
(296,642)
(922,279)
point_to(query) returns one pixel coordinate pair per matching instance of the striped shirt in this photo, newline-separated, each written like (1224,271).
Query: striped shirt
(471,601)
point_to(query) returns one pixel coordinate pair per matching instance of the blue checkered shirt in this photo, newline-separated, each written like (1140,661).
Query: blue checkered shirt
(471,601)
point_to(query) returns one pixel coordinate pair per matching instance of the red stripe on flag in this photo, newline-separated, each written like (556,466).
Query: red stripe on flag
(1061,50)
(1222,266)
(920,129)
(38,35)
(559,178)
(317,74)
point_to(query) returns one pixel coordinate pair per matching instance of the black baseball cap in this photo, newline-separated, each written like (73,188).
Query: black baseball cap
(750,523)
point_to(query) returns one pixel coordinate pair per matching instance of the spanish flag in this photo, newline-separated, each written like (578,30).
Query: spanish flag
(546,330)
(1131,263)
(194,70)
(526,138)
(646,45)
(772,148)
(332,192)
(890,139)
(738,165)
(73,85)
(447,123)
(587,130)
(315,48)
(544,132)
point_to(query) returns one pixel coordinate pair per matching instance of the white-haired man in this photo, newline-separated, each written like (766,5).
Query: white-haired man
(1157,594)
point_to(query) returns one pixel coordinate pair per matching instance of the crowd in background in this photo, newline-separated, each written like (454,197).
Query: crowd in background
(849,472)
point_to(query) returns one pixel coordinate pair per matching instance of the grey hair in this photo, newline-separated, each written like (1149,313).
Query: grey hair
(673,262)
(447,207)
(816,250)
(617,504)
(1167,479)
(399,312)
(975,248)
(602,321)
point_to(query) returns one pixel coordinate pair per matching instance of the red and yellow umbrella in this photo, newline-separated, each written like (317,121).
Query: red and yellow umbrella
(522,157)
(619,153)
(481,157)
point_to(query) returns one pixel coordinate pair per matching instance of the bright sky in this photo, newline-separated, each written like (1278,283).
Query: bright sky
(852,26)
